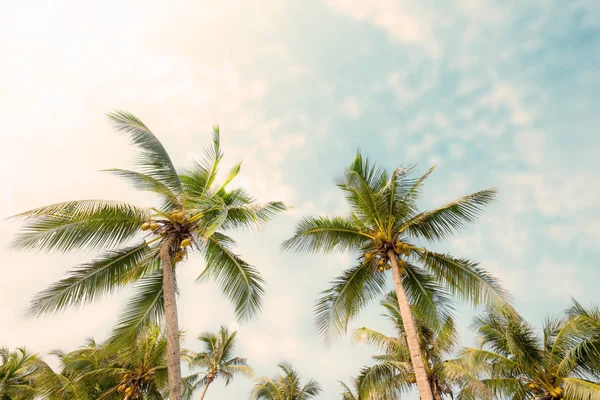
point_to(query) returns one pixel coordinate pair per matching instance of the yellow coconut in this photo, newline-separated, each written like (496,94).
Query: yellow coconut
(147,378)
(402,269)
(381,268)
(533,386)
(402,263)
(406,252)
(379,235)
(388,267)
(558,391)
(128,391)
(145,226)
(154,226)
(181,253)
(178,259)
(186,242)
(368,256)
(412,379)
(381,262)
(120,388)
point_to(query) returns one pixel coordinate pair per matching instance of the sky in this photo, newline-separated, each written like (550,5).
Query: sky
(497,94)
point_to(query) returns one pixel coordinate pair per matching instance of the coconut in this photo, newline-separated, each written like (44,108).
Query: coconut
(181,253)
(381,262)
(379,235)
(368,256)
(402,269)
(145,226)
(412,379)
(120,388)
(388,267)
(128,391)
(558,391)
(381,268)
(186,242)
(147,378)
(178,259)
(406,252)
(154,226)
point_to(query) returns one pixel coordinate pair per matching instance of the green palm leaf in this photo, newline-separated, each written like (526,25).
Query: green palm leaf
(73,225)
(101,276)
(443,221)
(239,281)
(154,159)
(326,235)
(348,295)
(146,307)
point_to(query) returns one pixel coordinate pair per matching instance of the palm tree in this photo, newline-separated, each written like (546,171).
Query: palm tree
(217,360)
(111,371)
(393,374)
(351,393)
(383,226)
(284,387)
(19,374)
(193,212)
(517,363)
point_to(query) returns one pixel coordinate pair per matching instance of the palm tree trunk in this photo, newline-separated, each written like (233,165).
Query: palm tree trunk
(173,350)
(204,390)
(412,336)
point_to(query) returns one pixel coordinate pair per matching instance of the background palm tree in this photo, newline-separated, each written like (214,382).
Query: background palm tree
(192,213)
(519,364)
(20,373)
(111,371)
(383,226)
(217,360)
(393,374)
(285,386)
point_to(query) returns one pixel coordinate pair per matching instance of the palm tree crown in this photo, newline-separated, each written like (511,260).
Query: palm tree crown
(193,214)
(517,363)
(285,386)
(383,227)
(217,360)
(20,372)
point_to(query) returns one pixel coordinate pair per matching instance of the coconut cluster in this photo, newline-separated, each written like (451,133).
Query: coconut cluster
(554,392)
(131,385)
(379,258)
(177,225)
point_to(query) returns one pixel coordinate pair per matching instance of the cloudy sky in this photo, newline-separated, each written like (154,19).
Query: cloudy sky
(498,94)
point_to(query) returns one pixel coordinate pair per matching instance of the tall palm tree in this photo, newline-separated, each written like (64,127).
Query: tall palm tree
(393,375)
(19,374)
(519,364)
(383,226)
(217,359)
(285,386)
(192,215)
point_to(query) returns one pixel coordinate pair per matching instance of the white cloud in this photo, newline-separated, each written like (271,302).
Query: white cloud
(350,107)
(401,20)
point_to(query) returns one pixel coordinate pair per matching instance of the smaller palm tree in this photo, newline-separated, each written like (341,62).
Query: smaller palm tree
(217,360)
(393,374)
(517,363)
(19,374)
(285,386)
(111,371)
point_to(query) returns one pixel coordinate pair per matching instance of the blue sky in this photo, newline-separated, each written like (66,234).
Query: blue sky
(498,94)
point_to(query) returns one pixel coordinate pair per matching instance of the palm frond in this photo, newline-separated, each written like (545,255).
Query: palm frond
(148,183)
(580,389)
(85,224)
(444,221)
(154,159)
(239,281)
(146,307)
(347,296)
(464,278)
(326,235)
(86,282)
